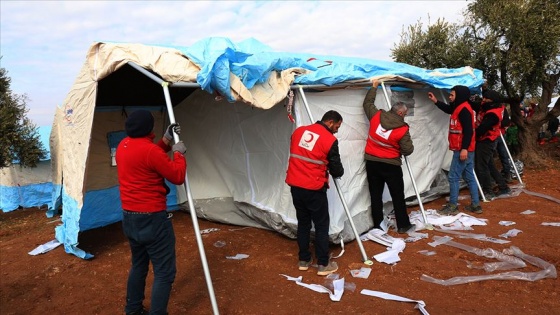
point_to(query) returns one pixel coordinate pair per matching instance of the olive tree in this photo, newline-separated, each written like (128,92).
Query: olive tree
(516,43)
(19,137)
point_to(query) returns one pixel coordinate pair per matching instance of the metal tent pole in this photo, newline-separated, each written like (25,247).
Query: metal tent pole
(186,185)
(474,172)
(365,258)
(426,223)
(511,159)
(192,210)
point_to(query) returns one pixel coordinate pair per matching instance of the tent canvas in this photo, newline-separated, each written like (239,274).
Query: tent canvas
(231,101)
(26,186)
(552,102)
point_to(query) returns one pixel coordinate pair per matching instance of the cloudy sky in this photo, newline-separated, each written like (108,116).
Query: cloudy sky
(43,43)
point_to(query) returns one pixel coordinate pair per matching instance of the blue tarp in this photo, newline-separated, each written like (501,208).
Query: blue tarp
(253,61)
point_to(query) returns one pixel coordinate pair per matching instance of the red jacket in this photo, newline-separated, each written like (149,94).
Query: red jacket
(142,167)
(456,130)
(383,143)
(309,148)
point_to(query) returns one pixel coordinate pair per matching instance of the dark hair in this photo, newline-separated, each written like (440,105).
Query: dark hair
(331,115)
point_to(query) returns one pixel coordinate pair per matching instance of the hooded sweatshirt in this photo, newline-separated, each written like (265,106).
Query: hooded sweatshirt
(389,120)
(462,94)
(488,120)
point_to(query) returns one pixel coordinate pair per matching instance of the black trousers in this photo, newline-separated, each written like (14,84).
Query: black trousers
(312,207)
(379,174)
(486,168)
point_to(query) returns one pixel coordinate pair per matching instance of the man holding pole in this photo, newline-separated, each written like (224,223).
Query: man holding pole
(142,167)
(313,155)
(388,139)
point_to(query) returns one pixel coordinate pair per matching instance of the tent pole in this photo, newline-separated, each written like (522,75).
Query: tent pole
(426,224)
(474,172)
(511,159)
(365,258)
(192,209)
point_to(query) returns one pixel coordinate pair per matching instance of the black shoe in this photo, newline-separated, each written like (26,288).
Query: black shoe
(141,311)
(504,191)
(489,196)
(410,228)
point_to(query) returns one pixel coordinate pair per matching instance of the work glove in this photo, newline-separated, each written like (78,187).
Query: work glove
(169,132)
(179,147)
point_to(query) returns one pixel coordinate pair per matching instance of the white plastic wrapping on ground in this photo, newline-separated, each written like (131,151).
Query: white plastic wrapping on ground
(548,270)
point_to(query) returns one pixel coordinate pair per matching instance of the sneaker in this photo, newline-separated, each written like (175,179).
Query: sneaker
(410,228)
(304,265)
(328,269)
(448,209)
(472,208)
(504,191)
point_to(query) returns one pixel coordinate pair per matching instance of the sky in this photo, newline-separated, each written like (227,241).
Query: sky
(43,43)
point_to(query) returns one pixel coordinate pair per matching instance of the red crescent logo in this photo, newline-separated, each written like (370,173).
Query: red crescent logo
(310,139)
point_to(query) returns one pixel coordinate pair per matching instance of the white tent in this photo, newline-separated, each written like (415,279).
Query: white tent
(233,102)
(27,186)
(552,102)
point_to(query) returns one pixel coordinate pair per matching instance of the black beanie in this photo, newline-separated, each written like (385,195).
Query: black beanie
(139,124)
(492,95)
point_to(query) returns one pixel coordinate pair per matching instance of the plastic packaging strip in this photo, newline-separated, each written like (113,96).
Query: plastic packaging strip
(548,271)
(541,195)
(463,234)
(488,252)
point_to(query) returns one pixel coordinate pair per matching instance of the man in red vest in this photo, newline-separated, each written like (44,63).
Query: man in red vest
(313,155)
(388,139)
(462,143)
(488,124)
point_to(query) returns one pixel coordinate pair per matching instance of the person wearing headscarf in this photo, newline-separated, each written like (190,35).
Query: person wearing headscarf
(462,143)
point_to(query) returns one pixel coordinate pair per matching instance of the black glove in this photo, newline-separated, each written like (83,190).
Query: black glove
(179,147)
(174,127)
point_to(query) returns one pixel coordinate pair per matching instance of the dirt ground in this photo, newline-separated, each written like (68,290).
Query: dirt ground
(59,283)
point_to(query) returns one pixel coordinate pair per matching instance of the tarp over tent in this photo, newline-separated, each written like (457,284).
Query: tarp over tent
(28,186)
(228,99)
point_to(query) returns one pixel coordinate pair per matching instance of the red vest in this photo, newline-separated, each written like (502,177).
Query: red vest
(493,133)
(456,130)
(383,143)
(307,166)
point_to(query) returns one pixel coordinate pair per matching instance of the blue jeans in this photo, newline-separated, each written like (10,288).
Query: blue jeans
(151,238)
(462,169)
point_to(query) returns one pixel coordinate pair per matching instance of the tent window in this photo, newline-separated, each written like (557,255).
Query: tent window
(113,139)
